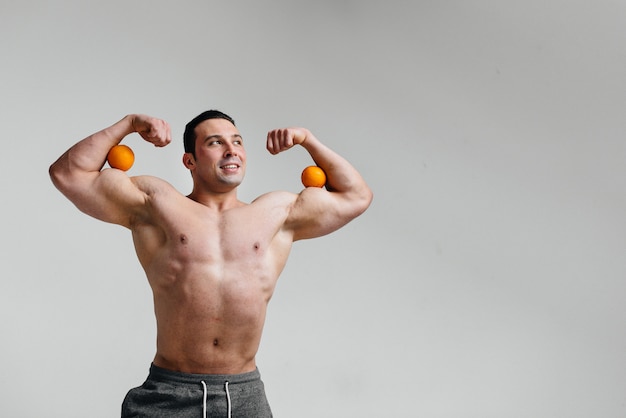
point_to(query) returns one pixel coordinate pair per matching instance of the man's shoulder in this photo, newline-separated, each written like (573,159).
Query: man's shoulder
(153,185)
(269,212)
(275,198)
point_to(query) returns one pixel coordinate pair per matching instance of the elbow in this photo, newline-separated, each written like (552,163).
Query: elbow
(363,201)
(55,174)
(367,199)
(59,175)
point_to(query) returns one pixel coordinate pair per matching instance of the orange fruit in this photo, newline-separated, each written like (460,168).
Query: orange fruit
(121,157)
(313,176)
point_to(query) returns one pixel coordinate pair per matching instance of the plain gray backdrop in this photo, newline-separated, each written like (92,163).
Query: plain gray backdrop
(486,280)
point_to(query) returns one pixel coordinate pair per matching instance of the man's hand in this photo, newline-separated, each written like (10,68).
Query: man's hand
(279,140)
(156,131)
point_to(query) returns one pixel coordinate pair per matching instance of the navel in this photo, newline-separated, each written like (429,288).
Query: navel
(216,342)
(257,246)
(183,239)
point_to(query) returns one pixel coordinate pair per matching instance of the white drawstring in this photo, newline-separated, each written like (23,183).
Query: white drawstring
(228,398)
(204,398)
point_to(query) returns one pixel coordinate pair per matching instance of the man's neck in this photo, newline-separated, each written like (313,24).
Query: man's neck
(217,201)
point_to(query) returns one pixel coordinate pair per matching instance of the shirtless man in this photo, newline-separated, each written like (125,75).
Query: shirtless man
(212,261)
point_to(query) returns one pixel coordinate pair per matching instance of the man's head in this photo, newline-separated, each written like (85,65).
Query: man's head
(214,152)
(189,137)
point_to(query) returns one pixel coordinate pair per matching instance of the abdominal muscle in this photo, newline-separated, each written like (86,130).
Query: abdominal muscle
(209,324)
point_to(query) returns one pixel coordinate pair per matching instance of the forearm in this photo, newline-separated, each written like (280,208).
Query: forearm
(342,177)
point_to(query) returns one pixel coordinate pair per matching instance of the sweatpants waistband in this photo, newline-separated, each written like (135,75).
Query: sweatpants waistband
(165,375)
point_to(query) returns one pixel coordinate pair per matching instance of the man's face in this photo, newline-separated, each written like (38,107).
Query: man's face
(220,159)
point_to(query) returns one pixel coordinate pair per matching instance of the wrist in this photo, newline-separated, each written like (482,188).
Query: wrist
(310,142)
(120,129)
(130,122)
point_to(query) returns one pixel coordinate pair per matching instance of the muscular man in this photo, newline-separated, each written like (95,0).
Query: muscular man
(212,261)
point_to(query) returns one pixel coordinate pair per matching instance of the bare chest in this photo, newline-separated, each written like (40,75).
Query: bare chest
(218,242)
(242,245)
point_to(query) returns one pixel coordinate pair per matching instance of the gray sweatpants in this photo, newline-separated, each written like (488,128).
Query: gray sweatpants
(171,394)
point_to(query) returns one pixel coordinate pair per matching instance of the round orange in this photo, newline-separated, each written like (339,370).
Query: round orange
(313,176)
(121,157)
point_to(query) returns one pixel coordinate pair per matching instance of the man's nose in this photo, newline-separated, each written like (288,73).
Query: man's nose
(230,152)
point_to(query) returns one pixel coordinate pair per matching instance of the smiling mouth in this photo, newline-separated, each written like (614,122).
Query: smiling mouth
(230,167)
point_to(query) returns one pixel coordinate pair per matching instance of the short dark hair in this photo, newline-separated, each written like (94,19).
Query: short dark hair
(189,137)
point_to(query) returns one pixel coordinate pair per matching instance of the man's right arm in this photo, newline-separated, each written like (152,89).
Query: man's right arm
(109,195)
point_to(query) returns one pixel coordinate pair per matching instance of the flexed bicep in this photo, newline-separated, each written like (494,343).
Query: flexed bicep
(317,212)
(110,196)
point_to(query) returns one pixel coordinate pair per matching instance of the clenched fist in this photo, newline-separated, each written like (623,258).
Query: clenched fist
(156,131)
(279,140)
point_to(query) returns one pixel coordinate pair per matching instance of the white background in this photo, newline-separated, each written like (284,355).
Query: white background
(486,280)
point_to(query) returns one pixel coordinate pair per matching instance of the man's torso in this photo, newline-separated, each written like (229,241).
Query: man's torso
(212,274)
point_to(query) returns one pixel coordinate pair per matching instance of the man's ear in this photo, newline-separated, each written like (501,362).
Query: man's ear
(188,160)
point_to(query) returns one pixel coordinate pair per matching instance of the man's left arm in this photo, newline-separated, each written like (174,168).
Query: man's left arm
(318,211)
